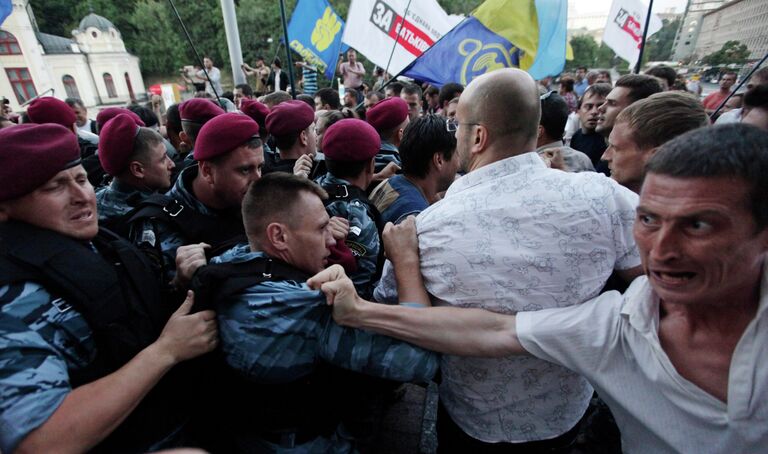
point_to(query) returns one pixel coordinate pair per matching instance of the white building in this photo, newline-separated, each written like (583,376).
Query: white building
(688,33)
(94,66)
(745,21)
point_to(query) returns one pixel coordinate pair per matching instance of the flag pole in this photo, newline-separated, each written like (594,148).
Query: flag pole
(287,50)
(397,38)
(743,81)
(645,35)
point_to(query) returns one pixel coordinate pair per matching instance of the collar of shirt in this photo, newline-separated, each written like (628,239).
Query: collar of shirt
(128,190)
(555,144)
(388,146)
(328,178)
(182,191)
(239,253)
(498,169)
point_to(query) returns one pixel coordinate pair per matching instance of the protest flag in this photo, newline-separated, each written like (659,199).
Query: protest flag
(526,34)
(624,30)
(315,33)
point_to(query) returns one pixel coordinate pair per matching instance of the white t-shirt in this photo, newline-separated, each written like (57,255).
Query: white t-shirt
(613,342)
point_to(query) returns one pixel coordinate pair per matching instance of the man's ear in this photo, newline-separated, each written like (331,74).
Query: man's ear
(137,169)
(206,171)
(303,138)
(277,236)
(438,161)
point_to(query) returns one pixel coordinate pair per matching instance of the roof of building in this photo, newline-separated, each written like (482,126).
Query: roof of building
(96,21)
(53,44)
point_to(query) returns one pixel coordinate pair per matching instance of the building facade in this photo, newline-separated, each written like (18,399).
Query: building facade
(745,21)
(94,66)
(688,33)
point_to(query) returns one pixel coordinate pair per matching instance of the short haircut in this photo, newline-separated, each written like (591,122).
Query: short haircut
(422,138)
(173,118)
(640,86)
(554,115)
(757,97)
(147,115)
(582,67)
(145,140)
(760,76)
(732,150)
(277,62)
(352,92)
(660,118)
(245,88)
(411,89)
(328,96)
(310,100)
(276,98)
(730,73)
(74,102)
(664,72)
(566,83)
(330,117)
(396,87)
(431,91)
(346,169)
(379,95)
(450,91)
(273,198)
(600,89)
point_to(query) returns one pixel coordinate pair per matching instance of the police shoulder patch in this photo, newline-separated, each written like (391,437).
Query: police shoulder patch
(358,250)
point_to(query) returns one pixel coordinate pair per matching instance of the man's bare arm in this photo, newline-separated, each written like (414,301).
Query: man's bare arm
(402,247)
(452,330)
(91,412)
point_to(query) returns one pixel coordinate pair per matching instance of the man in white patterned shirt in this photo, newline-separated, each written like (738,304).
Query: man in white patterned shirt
(513,235)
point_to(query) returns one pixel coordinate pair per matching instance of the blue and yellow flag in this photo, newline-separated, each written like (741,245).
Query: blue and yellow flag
(525,34)
(6,8)
(315,33)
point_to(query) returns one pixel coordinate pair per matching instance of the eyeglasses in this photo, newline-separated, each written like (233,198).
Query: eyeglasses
(547,95)
(453,125)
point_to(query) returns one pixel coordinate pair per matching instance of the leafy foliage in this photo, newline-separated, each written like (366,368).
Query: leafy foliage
(731,52)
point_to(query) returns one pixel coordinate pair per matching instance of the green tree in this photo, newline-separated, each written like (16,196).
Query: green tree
(658,47)
(732,52)
(584,52)
(161,49)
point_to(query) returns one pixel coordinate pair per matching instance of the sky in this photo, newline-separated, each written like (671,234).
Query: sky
(602,6)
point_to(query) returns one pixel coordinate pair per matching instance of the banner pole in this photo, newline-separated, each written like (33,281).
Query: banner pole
(289,61)
(645,35)
(397,38)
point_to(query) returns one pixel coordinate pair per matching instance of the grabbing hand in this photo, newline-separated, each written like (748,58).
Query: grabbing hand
(188,259)
(389,170)
(303,166)
(186,335)
(400,241)
(339,292)
(339,228)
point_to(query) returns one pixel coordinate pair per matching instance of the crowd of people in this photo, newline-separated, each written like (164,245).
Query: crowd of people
(262,274)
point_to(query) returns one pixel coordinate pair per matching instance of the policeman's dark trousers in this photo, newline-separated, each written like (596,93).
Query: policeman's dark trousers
(451,439)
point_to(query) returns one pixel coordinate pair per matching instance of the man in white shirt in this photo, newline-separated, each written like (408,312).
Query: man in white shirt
(682,357)
(214,75)
(514,235)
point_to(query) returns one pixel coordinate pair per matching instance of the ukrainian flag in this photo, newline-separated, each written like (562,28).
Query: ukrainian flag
(526,34)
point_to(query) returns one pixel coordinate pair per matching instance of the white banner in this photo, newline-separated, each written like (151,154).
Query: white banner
(624,30)
(373,25)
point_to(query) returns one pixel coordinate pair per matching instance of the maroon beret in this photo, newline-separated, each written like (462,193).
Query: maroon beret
(290,117)
(223,134)
(116,144)
(254,109)
(51,110)
(32,154)
(351,140)
(387,113)
(111,112)
(199,110)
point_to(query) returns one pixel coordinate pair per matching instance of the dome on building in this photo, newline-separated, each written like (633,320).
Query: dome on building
(96,21)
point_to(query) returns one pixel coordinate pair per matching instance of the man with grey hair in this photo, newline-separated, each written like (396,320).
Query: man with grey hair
(496,239)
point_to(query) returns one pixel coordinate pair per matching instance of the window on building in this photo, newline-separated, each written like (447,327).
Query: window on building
(70,86)
(22,84)
(8,44)
(110,84)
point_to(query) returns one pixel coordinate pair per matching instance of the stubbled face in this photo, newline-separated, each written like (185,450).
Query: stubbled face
(616,101)
(464,137)
(231,177)
(66,204)
(589,112)
(309,234)
(727,81)
(81,113)
(698,240)
(624,158)
(158,168)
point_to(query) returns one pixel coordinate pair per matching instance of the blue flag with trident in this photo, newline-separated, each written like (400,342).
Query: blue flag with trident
(5,10)
(315,33)
(525,34)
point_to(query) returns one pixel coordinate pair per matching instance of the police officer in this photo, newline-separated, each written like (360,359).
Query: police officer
(76,357)
(292,126)
(111,112)
(389,117)
(194,113)
(277,332)
(137,160)
(350,146)
(203,206)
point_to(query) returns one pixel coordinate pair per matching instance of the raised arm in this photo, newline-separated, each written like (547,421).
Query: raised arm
(452,330)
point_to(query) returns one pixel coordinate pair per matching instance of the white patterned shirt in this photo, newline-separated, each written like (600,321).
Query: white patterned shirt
(517,236)
(613,341)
